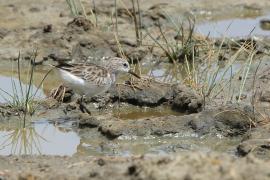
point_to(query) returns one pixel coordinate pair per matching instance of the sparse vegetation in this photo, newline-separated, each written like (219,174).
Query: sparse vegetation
(182,46)
(22,98)
(211,79)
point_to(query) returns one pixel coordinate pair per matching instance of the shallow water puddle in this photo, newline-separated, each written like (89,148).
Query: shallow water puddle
(10,86)
(134,145)
(144,112)
(234,27)
(44,138)
(40,138)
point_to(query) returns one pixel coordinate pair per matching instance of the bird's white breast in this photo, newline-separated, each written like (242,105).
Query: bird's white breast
(83,87)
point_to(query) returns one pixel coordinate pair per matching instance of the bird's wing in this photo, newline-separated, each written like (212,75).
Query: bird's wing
(91,73)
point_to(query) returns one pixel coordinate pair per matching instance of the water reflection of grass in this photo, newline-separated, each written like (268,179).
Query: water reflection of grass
(23,141)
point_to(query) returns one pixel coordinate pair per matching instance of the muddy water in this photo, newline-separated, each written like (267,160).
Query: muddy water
(126,146)
(234,27)
(134,112)
(42,137)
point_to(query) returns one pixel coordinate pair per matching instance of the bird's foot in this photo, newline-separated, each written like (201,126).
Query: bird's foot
(83,107)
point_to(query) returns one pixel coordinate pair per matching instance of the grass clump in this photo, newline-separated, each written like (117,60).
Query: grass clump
(179,43)
(212,80)
(22,98)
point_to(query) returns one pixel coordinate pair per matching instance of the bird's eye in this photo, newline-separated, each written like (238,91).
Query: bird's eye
(125,65)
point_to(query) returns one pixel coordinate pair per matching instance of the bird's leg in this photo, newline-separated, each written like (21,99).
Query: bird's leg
(82,106)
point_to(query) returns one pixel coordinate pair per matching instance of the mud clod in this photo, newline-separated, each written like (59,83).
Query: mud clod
(48,28)
(93,174)
(153,94)
(132,170)
(101,162)
(88,121)
(256,143)
(80,23)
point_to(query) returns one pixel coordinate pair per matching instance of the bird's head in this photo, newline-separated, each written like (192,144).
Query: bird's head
(117,65)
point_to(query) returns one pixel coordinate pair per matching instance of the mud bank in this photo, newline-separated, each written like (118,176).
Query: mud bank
(192,165)
(227,122)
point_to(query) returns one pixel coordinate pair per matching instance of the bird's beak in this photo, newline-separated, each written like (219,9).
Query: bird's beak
(134,74)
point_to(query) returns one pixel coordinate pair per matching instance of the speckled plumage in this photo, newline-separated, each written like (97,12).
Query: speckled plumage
(88,79)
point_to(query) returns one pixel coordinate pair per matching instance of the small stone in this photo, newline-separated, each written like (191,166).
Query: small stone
(243,149)
(132,170)
(47,28)
(101,162)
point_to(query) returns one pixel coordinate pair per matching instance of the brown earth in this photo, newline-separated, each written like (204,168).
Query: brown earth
(177,166)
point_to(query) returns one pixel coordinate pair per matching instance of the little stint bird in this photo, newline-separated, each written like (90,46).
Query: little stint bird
(89,80)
